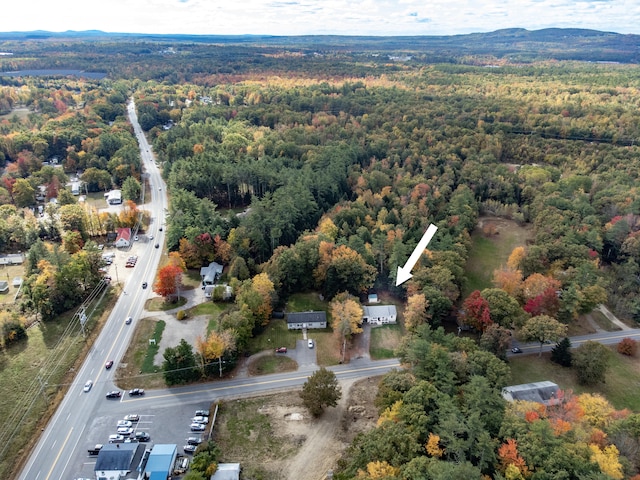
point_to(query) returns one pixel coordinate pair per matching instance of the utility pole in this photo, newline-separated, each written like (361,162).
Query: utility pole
(43,389)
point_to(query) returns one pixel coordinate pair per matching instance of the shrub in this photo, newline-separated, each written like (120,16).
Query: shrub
(13,332)
(181,315)
(628,346)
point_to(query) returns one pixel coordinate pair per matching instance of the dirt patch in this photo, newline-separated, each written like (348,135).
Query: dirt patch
(289,444)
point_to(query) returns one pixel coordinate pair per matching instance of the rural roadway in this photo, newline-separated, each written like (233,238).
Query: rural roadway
(61,451)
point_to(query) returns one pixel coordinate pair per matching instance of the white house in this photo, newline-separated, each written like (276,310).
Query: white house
(124,238)
(379,314)
(117,460)
(301,320)
(114,197)
(211,273)
(541,392)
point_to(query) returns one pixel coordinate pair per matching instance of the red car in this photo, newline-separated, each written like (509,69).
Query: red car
(109,364)
(281,350)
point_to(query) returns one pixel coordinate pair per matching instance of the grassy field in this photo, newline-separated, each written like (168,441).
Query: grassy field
(136,369)
(621,387)
(51,354)
(8,273)
(384,341)
(490,251)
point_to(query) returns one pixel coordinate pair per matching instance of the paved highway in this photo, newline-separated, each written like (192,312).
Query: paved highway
(50,459)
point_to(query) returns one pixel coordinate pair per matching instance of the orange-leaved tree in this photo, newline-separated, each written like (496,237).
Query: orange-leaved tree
(168,281)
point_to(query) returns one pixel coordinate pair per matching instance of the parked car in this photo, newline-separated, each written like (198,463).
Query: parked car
(136,392)
(125,423)
(189,448)
(128,320)
(202,413)
(310,343)
(197,427)
(116,438)
(133,417)
(142,436)
(114,394)
(144,284)
(200,419)
(126,431)
(281,350)
(194,441)
(95,450)
(109,364)
(88,385)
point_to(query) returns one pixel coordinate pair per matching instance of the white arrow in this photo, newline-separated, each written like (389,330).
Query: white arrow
(404,273)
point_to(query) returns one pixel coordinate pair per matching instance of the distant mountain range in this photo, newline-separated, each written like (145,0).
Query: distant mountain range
(515,44)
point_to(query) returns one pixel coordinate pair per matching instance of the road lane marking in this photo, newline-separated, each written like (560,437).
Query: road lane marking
(266,382)
(55,462)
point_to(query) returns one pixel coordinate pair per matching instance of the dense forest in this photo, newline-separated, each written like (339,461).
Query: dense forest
(306,171)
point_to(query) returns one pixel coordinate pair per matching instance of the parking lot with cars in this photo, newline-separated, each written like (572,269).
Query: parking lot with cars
(170,423)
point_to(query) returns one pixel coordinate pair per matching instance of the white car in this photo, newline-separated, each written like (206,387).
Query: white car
(88,385)
(200,419)
(133,417)
(116,439)
(124,423)
(124,431)
(197,427)
(310,343)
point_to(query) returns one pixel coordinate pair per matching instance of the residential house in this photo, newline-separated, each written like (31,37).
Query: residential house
(541,392)
(211,273)
(123,238)
(117,461)
(114,197)
(379,314)
(12,259)
(4,287)
(302,320)
(227,471)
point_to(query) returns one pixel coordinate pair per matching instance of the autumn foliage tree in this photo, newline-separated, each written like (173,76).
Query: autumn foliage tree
(416,311)
(476,311)
(628,346)
(346,315)
(168,280)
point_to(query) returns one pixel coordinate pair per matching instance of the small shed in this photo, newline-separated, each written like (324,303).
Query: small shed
(372,298)
(379,314)
(17,281)
(114,197)
(301,320)
(4,287)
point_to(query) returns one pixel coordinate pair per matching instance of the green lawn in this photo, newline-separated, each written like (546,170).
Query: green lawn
(303,302)
(623,378)
(384,341)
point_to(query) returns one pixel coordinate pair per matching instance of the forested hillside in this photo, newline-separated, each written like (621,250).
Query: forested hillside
(319,172)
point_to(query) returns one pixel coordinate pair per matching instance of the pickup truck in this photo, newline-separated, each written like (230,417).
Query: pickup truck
(95,450)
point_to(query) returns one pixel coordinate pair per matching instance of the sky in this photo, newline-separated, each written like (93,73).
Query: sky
(318,17)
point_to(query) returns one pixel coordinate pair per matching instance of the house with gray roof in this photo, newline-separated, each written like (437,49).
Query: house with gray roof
(227,471)
(302,320)
(379,314)
(210,273)
(540,392)
(119,461)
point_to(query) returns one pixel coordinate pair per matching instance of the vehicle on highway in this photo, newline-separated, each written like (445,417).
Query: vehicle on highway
(281,350)
(109,364)
(95,450)
(114,394)
(197,427)
(125,423)
(116,438)
(310,343)
(88,385)
(136,391)
(135,239)
(200,419)
(132,417)
(189,448)
(128,320)
(157,245)
(142,436)
(201,413)
(160,229)
(194,441)
(516,350)
(150,237)
(126,431)
(144,284)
